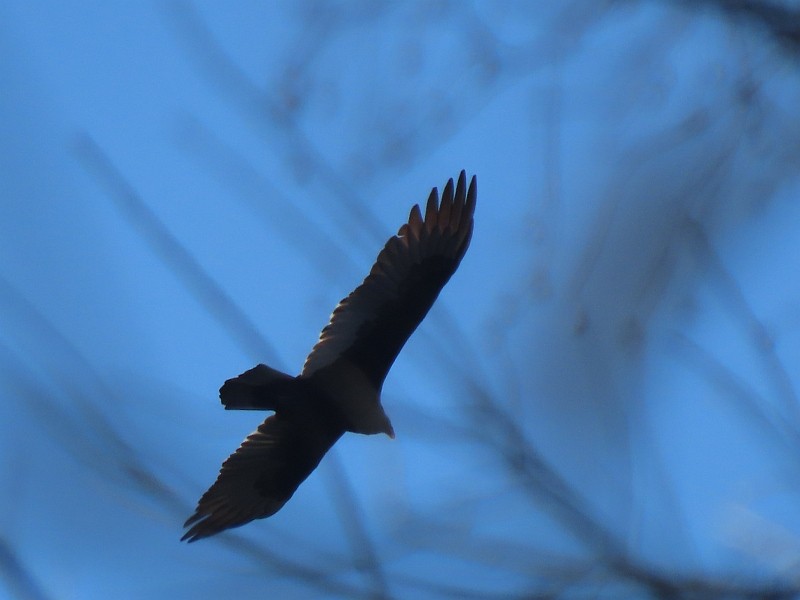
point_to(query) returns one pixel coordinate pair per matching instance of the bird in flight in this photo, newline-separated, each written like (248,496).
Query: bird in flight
(339,388)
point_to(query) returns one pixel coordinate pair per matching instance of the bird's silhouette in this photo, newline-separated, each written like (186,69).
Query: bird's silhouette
(339,387)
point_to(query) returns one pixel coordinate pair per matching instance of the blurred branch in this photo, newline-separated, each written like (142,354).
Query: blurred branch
(324,581)
(503,432)
(778,20)
(366,558)
(173,254)
(287,218)
(746,399)
(357,219)
(81,424)
(731,294)
(20,581)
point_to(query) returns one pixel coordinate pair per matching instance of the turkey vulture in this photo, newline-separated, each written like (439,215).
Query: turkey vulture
(340,385)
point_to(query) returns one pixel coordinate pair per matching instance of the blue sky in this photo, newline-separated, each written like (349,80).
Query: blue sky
(628,301)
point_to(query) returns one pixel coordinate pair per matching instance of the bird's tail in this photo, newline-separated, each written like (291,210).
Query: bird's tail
(260,388)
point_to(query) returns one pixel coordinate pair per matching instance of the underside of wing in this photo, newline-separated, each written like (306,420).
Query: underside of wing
(258,479)
(371,325)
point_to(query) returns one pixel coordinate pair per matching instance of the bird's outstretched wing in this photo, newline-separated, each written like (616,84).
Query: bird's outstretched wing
(258,479)
(371,325)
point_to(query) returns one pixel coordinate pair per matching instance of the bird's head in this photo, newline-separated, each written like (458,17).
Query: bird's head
(379,423)
(386,424)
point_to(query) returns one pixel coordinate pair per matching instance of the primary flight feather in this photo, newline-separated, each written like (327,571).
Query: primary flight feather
(339,387)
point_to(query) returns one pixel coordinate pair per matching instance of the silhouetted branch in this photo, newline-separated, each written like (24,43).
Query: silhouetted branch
(357,220)
(285,217)
(730,293)
(182,263)
(777,19)
(364,551)
(20,581)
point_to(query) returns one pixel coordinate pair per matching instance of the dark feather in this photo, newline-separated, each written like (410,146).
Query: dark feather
(257,480)
(260,388)
(371,325)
